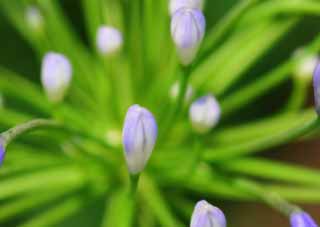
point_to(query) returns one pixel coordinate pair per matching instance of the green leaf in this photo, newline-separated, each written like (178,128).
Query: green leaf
(57,213)
(119,210)
(282,136)
(274,170)
(153,198)
(225,66)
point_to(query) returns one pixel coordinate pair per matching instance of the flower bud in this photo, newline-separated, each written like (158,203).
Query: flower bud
(109,40)
(305,64)
(316,88)
(139,136)
(204,114)
(174,92)
(187,30)
(178,4)
(302,219)
(2,151)
(206,215)
(34,18)
(56,75)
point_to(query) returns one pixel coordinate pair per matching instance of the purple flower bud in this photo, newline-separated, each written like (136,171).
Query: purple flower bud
(178,4)
(56,75)
(316,87)
(302,219)
(2,151)
(139,136)
(204,114)
(206,215)
(34,18)
(109,40)
(187,30)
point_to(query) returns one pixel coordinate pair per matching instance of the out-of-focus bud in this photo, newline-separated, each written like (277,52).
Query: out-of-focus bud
(204,114)
(109,40)
(178,4)
(302,219)
(187,30)
(2,151)
(56,75)
(316,88)
(305,64)
(139,136)
(174,92)
(206,215)
(34,18)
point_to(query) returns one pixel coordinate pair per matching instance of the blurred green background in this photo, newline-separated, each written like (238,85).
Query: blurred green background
(17,55)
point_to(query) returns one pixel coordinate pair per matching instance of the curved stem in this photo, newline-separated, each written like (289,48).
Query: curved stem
(271,198)
(14,132)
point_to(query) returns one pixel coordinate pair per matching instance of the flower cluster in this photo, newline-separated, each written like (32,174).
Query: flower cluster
(90,99)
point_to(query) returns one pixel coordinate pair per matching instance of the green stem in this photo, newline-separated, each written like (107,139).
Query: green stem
(271,198)
(298,96)
(134,181)
(183,85)
(12,133)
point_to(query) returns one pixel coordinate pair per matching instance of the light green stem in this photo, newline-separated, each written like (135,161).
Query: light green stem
(12,133)
(272,199)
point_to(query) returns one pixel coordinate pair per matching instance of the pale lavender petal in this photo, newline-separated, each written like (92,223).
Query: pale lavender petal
(204,113)
(206,215)
(2,152)
(302,219)
(139,137)
(56,75)
(316,87)
(187,30)
(109,40)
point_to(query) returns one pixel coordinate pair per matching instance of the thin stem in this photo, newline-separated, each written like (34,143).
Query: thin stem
(12,133)
(299,94)
(183,85)
(134,181)
(271,198)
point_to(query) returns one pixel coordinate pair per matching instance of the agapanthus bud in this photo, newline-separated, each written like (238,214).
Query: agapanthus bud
(302,219)
(139,136)
(206,215)
(34,18)
(174,92)
(316,88)
(305,64)
(2,151)
(204,114)
(109,40)
(178,4)
(187,30)
(56,75)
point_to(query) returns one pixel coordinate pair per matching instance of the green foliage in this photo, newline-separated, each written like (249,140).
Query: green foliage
(50,176)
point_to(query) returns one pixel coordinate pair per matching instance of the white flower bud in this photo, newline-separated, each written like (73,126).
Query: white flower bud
(109,40)
(139,136)
(204,114)
(187,30)
(56,75)
(34,18)
(175,5)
